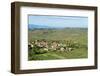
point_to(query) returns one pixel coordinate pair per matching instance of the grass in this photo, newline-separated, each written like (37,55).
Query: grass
(75,34)
(77,53)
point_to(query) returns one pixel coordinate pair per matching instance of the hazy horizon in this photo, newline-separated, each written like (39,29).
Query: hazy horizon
(43,21)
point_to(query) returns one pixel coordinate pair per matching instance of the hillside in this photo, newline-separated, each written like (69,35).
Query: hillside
(78,35)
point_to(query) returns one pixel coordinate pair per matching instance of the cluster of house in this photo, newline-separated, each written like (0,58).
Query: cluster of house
(46,45)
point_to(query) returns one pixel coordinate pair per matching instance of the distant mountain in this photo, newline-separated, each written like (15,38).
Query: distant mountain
(34,26)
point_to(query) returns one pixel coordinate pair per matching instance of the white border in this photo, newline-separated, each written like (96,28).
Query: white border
(25,64)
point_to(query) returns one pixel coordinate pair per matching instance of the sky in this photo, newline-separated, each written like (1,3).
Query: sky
(58,21)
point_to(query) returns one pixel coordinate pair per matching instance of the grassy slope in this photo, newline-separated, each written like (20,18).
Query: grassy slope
(74,34)
(78,53)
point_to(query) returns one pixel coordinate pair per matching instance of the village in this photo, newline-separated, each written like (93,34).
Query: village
(54,45)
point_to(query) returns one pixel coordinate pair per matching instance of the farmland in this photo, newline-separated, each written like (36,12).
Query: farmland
(56,43)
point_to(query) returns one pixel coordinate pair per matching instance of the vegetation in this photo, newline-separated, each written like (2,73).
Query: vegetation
(49,44)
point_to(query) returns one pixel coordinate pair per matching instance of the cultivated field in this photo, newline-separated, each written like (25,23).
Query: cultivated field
(50,44)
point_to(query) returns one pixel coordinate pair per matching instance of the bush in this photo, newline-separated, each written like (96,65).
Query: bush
(38,50)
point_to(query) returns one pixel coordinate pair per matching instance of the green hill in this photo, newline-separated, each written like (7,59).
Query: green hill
(78,35)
